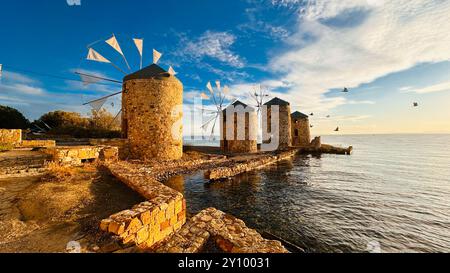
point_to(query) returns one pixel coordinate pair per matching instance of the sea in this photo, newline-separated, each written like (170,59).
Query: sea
(391,195)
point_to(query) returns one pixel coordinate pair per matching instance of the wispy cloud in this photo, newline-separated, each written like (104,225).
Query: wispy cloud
(395,36)
(216,45)
(440,87)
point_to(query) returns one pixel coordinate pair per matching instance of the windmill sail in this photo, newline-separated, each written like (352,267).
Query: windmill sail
(95,56)
(156,56)
(98,104)
(140,47)
(204,96)
(86,79)
(172,71)
(209,86)
(218,85)
(115,44)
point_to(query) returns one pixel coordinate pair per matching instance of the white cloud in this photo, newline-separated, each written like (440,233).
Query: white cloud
(395,36)
(9,76)
(440,87)
(215,45)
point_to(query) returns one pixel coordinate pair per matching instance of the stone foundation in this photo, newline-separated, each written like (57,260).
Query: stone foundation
(122,144)
(12,137)
(148,223)
(253,163)
(38,144)
(230,234)
(79,154)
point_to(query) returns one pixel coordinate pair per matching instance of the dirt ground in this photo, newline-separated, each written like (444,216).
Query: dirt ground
(44,213)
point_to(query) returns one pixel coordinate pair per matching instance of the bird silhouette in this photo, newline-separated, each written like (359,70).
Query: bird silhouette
(345,90)
(416,104)
(337,129)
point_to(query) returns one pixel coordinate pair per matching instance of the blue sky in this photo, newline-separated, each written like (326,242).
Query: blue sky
(388,53)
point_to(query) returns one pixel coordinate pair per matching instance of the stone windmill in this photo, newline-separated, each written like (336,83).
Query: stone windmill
(152,100)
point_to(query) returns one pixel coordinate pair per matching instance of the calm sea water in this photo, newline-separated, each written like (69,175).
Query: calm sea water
(391,195)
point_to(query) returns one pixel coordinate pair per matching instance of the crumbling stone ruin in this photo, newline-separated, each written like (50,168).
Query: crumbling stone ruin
(244,137)
(15,139)
(152,114)
(301,136)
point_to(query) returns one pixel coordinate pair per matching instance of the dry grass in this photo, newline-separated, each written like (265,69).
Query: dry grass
(60,172)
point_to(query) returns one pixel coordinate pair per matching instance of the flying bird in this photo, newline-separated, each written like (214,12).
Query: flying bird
(345,90)
(337,129)
(416,104)
(312,114)
(328,116)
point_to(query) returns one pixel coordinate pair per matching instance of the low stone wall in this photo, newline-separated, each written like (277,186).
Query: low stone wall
(122,144)
(12,137)
(150,222)
(230,234)
(38,144)
(250,164)
(76,155)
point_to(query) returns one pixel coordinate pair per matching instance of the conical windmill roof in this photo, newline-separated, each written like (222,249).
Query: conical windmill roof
(149,72)
(277,101)
(237,103)
(299,115)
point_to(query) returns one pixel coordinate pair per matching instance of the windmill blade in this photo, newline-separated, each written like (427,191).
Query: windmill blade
(115,44)
(112,95)
(214,126)
(1,70)
(156,56)
(172,71)
(140,47)
(93,77)
(98,104)
(97,57)
(115,118)
(205,125)
(209,87)
(218,85)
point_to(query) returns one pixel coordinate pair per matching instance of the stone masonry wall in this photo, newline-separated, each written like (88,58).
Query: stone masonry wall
(77,154)
(122,144)
(152,115)
(303,139)
(230,234)
(285,136)
(13,137)
(148,223)
(249,165)
(38,144)
(249,145)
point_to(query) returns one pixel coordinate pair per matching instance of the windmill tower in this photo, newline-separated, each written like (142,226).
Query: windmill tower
(239,129)
(284,134)
(152,100)
(152,114)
